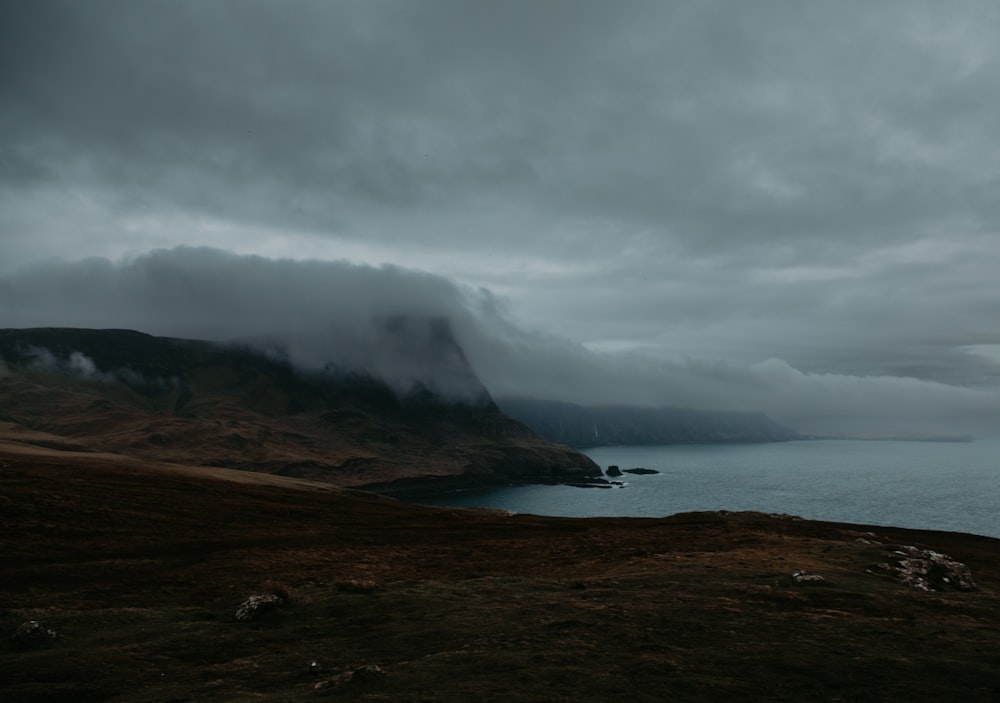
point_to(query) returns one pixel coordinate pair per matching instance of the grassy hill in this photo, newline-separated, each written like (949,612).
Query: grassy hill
(139,568)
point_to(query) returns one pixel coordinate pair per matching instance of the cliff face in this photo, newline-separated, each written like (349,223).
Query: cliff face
(580,426)
(237,406)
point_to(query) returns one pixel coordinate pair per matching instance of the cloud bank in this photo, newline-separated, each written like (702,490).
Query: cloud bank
(330,312)
(814,182)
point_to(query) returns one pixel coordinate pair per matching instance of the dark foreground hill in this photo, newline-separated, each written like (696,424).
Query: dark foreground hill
(610,425)
(237,406)
(130,575)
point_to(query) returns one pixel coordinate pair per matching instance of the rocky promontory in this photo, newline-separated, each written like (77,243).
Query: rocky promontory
(248,406)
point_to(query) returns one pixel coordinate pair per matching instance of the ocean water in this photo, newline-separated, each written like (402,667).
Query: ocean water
(951,486)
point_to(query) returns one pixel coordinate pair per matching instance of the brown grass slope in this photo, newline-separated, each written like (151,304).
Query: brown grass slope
(139,569)
(192,402)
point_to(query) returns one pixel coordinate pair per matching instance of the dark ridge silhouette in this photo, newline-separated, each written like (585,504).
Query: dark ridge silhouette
(580,426)
(247,406)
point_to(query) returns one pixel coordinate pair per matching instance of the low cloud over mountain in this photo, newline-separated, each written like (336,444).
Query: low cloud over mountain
(322,313)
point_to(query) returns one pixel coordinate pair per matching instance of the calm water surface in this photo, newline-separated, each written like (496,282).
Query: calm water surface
(927,485)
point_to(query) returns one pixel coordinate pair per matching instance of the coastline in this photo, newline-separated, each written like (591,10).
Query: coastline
(414,488)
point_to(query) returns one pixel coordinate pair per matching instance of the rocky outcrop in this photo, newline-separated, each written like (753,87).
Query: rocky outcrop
(254,607)
(32,634)
(803,577)
(925,570)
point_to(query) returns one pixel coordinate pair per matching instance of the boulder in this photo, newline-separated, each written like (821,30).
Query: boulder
(255,606)
(639,471)
(806,578)
(613,470)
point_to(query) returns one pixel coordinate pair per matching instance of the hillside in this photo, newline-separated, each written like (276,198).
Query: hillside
(130,575)
(592,426)
(238,406)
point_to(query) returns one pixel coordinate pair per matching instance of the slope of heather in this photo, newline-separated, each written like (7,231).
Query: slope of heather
(138,570)
(233,406)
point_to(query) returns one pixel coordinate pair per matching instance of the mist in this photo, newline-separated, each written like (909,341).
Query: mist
(323,313)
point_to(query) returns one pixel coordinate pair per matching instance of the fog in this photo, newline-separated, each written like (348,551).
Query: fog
(324,313)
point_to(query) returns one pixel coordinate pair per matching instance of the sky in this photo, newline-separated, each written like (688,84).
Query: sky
(779,206)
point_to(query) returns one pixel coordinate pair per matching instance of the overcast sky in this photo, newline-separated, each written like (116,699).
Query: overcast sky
(779,205)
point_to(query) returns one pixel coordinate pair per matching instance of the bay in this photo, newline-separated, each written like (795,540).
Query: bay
(952,486)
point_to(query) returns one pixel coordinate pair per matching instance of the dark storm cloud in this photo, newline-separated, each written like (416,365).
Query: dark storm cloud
(688,181)
(728,123)
(309,103)
(323,307)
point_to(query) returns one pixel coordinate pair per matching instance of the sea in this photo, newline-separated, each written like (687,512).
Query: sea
(952,486)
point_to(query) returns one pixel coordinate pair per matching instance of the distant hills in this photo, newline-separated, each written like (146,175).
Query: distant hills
(585,426)
(238,406)
(420,420)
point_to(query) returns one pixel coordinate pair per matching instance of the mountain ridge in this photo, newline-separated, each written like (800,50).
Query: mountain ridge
(237,406)
(609,425)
